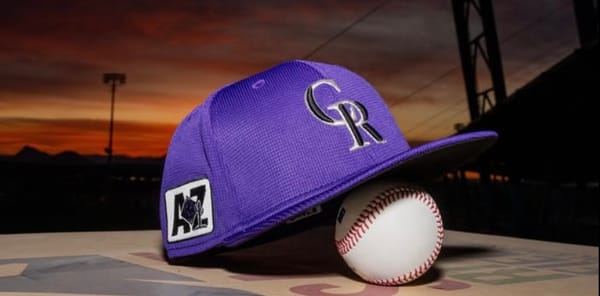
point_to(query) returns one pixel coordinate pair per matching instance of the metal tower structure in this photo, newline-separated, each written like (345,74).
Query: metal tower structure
(482,45)
(587,17)
(113,79)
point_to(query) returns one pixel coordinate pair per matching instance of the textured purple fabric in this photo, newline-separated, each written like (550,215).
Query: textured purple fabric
(269,154)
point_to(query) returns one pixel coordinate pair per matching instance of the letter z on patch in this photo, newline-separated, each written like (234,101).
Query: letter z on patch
(189,210)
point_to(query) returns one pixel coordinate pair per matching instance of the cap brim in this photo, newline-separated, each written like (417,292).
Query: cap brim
(434,158)
(423,162)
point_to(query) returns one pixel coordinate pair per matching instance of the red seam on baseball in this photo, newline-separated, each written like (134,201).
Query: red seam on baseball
(372,210)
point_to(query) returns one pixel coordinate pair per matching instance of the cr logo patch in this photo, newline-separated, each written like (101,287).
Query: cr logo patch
(353,115)
(189,210)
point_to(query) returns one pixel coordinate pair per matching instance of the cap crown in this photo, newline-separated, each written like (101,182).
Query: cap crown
(276,143)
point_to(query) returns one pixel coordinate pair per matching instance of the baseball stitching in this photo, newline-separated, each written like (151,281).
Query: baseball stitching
(373,209)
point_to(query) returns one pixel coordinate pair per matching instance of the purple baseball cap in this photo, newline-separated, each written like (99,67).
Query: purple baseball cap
(265,149)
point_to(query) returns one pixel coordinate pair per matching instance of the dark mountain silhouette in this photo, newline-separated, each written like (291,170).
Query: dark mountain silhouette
(70,157)
(69,191)
(32,155)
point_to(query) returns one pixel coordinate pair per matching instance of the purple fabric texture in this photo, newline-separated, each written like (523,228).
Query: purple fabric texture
(274,145)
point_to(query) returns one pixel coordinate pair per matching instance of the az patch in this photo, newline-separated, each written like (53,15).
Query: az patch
(189,211)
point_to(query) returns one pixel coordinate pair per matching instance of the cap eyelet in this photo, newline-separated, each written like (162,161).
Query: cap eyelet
(258,84)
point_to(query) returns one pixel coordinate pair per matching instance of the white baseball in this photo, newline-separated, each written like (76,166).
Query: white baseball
(389,233)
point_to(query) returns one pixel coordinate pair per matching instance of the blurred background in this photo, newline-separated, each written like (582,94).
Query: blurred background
(91,91)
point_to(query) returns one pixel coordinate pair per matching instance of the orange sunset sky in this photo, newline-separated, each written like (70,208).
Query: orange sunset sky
(175,53)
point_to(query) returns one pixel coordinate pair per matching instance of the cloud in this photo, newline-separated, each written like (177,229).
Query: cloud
(176,53)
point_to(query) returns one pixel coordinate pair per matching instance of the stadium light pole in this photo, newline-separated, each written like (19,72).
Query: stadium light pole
(113,79)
